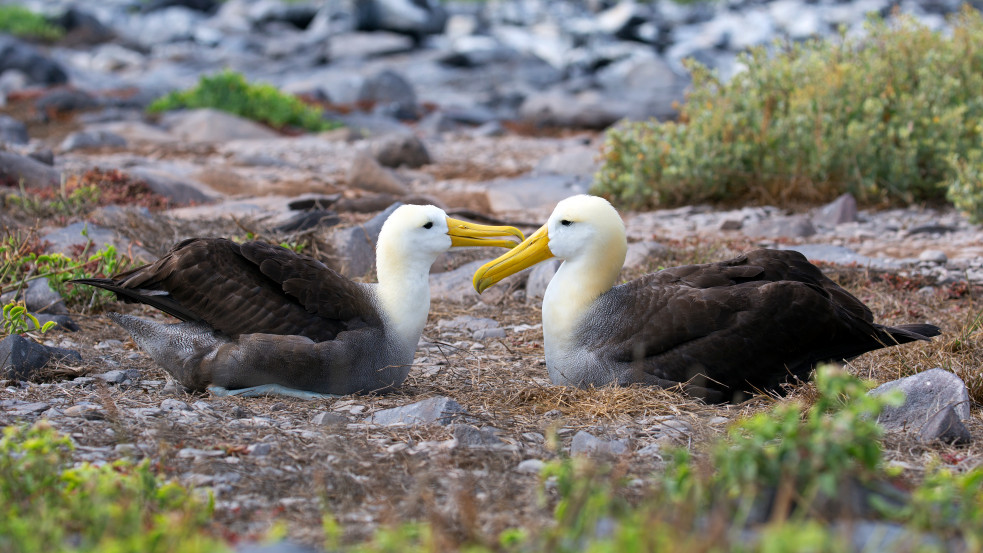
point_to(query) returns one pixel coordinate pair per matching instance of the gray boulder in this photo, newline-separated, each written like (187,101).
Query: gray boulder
(15,168)
(178,189)
(539,279)
(436,410)
(21,358)
(366,173)
(354,247)
(40,69)
(927,394)
(640,254)
(532,192)
(92,139)
(456,286)
(414,18)
(391,93)
(945,426)
(401,149)
(12,131)
(839,211)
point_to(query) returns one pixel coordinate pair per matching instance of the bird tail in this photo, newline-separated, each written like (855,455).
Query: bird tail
(912,332)
(157,299)
(177,348)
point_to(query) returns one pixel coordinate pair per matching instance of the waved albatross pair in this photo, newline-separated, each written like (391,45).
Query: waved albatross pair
(260,318)
(718,329)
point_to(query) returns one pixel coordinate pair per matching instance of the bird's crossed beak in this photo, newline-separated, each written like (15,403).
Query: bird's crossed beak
(463,233)
(534,249)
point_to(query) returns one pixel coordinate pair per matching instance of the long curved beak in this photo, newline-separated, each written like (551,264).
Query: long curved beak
(534,249)
(463,233)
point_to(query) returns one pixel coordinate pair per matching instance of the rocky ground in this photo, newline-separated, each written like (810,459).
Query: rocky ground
(477,447)
(469,460)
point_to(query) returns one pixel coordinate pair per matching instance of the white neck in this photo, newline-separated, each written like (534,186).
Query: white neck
(577,284)
(404,293)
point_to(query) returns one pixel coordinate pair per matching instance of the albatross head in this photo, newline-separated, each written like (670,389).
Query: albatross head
(584,230)
(414,235)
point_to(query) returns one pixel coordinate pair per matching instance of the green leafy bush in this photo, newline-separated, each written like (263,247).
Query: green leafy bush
(879,116)
(229,91)
(50,505)
(20,21)
(22,260)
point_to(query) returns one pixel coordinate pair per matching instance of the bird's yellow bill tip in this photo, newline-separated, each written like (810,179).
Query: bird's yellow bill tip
(464,233)
(528,253)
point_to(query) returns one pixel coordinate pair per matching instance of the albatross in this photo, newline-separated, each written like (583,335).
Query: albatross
(258,318)
(718,330)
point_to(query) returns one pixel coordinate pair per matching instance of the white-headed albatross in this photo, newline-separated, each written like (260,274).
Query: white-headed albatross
(262,319)
(718,329)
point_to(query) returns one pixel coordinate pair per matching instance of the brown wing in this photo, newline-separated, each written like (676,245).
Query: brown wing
(247,288)
(744,324)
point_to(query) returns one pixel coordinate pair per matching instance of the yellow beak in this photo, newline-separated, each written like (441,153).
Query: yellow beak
(463,233)
(530,252)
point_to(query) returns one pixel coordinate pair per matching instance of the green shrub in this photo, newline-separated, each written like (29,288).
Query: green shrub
(229,91)
(49,505)
(879,116)
(20,21)
(22,260)
(965,189)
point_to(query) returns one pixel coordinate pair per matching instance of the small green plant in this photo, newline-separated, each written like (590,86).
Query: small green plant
(229,91)
(22,261)
(22,22)
(51,505)
(17,320)
(881,117)
(965,189)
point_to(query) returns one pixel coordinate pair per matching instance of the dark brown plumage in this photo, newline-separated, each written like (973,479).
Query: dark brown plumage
(746,324)
(246,288)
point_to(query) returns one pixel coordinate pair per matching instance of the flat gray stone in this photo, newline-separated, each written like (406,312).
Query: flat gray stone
(794,226)
(435,410)
(585,443)
(471,436)
(841,255)
(212,125)
(488,333)
(533,192)
(530,466)
(927,394)
(327,418)
(19,408)
(91,139)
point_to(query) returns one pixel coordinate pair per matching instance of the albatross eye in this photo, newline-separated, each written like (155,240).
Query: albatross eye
(566,222)
(428,225)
